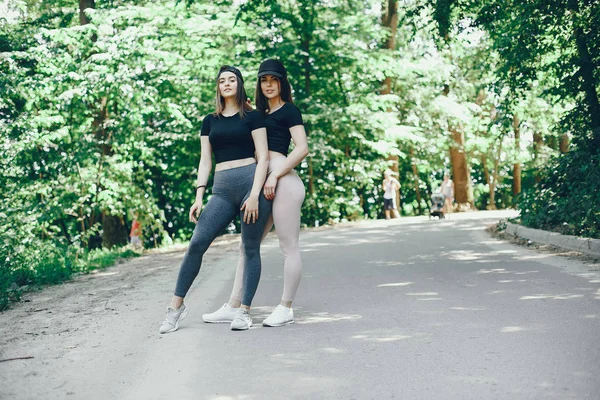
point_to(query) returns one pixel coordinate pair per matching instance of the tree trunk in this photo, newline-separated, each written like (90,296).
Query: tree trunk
(565,143)
(305,31)
(538,141)
(113,231)
(588,81)
(486,172)
(311,184)
(389,20)
(495,177)
(416,179)
(306,40)
(113,227)
(83,4)
(463,192)
(517,166)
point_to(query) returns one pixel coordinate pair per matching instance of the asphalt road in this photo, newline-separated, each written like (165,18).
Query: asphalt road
(410,309)
(400,309)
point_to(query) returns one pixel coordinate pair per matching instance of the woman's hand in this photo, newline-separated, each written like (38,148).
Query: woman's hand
(250,208)
(270,185)
(195,211)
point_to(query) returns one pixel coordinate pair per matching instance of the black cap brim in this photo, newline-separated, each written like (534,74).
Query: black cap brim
(263,73)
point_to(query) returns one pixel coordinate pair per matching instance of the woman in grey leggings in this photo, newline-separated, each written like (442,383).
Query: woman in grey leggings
(284,124)
(234,133)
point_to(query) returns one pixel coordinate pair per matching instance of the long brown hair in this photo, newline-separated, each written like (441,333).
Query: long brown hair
(241,98)
(285,92)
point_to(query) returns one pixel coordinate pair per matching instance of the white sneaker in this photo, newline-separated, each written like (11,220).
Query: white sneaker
(242,320)
(280,316)
(173,318)
(223,314)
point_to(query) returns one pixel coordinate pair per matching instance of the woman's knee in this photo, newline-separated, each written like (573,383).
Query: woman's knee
(289,245)
(250,250)
(199,243)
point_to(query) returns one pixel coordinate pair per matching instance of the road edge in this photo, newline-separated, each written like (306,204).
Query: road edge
(583,245)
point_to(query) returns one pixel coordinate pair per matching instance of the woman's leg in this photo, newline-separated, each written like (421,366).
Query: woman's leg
(395,209)
(215,217)
(287,205)
(235,300)
(252,235)
(447,205)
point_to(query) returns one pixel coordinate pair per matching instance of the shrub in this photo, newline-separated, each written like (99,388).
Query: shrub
(567,197)
(45,262)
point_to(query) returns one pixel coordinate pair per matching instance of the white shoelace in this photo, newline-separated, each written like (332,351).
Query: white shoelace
(171,316)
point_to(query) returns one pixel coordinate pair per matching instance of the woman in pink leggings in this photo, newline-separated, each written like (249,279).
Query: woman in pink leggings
(283,186)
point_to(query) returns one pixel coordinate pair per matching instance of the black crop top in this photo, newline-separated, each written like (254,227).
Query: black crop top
(231,137)
(278,127)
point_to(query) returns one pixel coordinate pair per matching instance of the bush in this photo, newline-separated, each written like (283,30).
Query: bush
(567,197)
(103,258)
(45,262)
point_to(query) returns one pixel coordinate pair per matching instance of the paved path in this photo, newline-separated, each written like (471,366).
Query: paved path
(404,309)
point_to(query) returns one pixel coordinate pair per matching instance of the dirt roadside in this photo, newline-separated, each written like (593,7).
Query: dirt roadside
(592,262)
(65,326)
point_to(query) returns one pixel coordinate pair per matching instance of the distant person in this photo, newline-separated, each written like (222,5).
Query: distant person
(136,232)
(447,189)
(283,185)
(391,186)
(235,134)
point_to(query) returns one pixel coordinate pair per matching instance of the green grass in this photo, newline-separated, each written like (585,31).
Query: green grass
(48,265)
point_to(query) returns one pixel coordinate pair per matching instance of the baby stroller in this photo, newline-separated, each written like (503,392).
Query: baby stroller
(437,206)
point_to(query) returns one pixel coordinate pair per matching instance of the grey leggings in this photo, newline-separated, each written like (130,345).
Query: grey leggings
(287,206)
(231,188)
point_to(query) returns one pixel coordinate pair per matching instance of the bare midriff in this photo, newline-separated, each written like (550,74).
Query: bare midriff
(222,166)
(274,154)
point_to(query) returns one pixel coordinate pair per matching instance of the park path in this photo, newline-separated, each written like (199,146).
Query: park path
(406,309)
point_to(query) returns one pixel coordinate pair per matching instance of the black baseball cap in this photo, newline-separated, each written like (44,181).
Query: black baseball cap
(229,68)
(272,67)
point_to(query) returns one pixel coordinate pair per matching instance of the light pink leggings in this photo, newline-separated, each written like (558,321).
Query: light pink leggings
(289,195)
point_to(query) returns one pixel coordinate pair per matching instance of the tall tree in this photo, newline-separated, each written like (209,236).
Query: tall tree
(389,20)
(551,42)
(516,125)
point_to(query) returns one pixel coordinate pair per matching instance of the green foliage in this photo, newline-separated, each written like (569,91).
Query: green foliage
(103,258)
(546,72)
(43,262)
(541,43)
(567,197)
(335,68)
(101,120)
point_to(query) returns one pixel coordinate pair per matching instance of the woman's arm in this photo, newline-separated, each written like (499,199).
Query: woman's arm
(204,169)
(250,206)
(292,160)
(297,155)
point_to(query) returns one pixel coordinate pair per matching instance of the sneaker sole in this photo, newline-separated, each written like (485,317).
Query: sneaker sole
(277,325)
(183,315)
(241,329)
(214,321)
